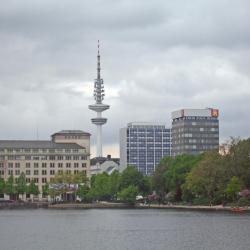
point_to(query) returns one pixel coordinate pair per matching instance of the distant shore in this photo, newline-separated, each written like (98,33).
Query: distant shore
(110,205)
(141,206)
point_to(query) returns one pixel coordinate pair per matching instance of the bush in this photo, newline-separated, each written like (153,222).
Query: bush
(201,201)
(244,201)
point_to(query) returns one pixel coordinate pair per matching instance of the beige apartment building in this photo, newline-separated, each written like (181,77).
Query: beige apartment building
(67,151)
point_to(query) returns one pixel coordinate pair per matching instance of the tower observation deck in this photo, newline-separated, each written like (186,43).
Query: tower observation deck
(99,107)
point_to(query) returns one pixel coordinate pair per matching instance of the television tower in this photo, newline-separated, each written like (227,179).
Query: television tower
(99,107)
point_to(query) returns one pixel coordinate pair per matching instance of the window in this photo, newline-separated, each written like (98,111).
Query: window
(44,180)
(36,158)
(27,165)
(44,165)
(52,165)
(36,165)
(36,172)
(76,165)
(52,172)
(36,180)
(52,157)
(17,172)
(83,157)
(76,171)
(27,172)
(68,171)
(60,157)
(10,172)
(83,165)
(68,165)
(27,157)
(60,165)
(60,171)
(44,172)
(68,157)
(76,157)
(10,165)
(28,180)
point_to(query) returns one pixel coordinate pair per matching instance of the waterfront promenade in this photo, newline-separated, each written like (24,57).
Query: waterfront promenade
(110,205)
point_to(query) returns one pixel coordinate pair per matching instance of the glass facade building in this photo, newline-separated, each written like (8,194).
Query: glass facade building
(143,145)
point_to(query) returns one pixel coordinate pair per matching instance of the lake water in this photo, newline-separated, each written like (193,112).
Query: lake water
(115,229)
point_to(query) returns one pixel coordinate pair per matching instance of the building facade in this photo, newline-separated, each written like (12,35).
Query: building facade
(67,151)
(194,131)
(143,145)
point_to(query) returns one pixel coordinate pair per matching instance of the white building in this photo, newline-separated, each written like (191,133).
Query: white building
(67,151)
(107,164)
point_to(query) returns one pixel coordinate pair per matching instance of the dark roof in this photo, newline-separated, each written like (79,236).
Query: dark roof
(101,160)
(37,144)
(71,132)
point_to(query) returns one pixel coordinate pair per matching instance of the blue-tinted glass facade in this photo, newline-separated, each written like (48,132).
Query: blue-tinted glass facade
(146,146)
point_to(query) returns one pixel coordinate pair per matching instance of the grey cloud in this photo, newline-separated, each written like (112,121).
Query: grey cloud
(157,56)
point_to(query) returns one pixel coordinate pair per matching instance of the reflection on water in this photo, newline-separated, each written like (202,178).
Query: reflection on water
(122,229)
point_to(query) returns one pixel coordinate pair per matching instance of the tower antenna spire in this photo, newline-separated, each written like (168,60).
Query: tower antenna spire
(98,61)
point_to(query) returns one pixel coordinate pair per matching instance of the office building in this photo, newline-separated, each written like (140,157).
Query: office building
(67,151)
(143,145)
(194,131)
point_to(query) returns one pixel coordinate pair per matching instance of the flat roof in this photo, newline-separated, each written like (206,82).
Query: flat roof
(71,132)
(37,144)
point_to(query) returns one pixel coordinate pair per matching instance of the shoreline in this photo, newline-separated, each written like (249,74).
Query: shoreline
(110,205)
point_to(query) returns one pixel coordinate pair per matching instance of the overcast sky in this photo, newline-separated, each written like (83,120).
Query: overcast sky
(156,57)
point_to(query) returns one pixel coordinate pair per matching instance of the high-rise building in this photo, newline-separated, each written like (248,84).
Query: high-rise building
(99,107)
(143,145)
(67,151)
(194,131)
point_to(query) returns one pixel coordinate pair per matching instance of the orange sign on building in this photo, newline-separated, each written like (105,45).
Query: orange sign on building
(214,112)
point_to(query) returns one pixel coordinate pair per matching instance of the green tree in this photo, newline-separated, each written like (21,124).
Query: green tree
(2,186)
(159,179)
(237,160)
(233,188)
(129,194)
(101,187)
(114,183)
(130,177)
(83,193)
(10,188)
(208,179)
(21,186)
(33,188)
(45,189)
(175,175)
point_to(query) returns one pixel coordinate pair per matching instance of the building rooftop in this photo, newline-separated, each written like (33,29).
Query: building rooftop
(101,160)
(206,112)
(71,132)
(37,144)
(146,125)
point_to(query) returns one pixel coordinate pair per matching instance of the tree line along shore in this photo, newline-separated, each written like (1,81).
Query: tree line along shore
(210,179)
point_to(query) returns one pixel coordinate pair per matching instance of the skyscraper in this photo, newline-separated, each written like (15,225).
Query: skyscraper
(195,130)
(143,145)
(99,107)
